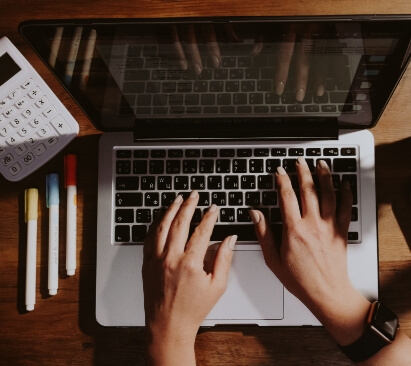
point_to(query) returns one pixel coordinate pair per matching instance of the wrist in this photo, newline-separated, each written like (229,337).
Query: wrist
(163,348)
(345,318)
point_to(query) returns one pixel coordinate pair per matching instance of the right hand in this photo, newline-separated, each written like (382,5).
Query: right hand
(311,261)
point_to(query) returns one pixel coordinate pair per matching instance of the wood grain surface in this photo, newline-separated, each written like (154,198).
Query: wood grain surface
(62,330)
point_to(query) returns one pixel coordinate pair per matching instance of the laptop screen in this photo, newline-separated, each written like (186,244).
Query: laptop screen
(226,77)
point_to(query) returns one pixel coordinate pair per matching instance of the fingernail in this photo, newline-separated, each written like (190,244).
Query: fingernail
(323,165)
(255,216)
(302,161)
(232,241)
(299,95)
(193,194)
(281,171)
(216,61)
(197,69)
(178,199)
(320,90)
(279,88)
(184,64)
(213,208)
(346,184)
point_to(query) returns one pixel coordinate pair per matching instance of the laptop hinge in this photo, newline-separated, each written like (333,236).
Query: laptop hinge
(237,129)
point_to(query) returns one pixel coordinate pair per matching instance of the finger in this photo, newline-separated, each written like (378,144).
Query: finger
(308,194)
(192,48)
(290,210)
(302,70)
(327,192)
(266,239)
(320,63)
(180,226)
(222,261)
(213,50)
(158,232)
(285,54)
(149,240)
(200,239)
(344,211)
(178,48)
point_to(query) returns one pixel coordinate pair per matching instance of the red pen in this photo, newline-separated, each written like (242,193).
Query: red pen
(70,173)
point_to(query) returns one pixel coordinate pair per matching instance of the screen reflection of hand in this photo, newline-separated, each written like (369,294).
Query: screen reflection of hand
(294,61)
(185,39)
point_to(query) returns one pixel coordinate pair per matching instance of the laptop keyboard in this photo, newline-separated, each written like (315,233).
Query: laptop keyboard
(235,178)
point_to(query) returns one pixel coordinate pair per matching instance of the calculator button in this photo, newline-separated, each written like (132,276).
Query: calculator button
(3,102)
(13,140)
(35,93)
(49,112)
(7,159)
(16,122)
(28,159)
(9,112)
(21,103)
(16,168)
(32,140)
(42,102)
(14,94)
(2,150)
(29,112)
(51,141)
(36,122)
(19,150)
(27,84)
(39,149)
(5,130)
(60,124)
(43,131)
(24,131)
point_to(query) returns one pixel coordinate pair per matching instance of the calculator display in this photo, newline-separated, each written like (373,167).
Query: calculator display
(8,68)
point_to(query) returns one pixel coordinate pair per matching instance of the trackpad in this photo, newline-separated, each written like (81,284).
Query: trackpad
(253,292)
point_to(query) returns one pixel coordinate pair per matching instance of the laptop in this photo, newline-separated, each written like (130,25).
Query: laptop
(216,105)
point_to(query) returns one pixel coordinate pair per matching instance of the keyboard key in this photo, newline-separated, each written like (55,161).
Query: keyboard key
(122,233)
(127,183)
(345,165)
(138,233)
(129,199)
(123,216)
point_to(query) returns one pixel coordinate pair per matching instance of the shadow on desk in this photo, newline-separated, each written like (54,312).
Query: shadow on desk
(393,182)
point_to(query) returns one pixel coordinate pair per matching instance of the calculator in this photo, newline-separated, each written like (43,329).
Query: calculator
(34,124)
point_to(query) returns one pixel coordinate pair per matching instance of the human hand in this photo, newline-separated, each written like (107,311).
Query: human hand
(178,293)
(311,261)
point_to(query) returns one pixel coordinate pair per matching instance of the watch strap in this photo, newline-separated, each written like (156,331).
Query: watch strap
(365,347)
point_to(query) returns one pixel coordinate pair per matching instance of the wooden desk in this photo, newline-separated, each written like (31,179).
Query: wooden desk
(62,330)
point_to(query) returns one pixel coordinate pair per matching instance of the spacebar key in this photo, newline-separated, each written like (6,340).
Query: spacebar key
(245,232)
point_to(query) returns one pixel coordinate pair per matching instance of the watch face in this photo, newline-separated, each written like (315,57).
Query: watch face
(385,321)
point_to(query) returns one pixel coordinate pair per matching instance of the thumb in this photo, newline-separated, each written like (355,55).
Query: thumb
(266,239)
(222,262)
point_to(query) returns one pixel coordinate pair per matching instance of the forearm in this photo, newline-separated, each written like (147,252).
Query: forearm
(170,353)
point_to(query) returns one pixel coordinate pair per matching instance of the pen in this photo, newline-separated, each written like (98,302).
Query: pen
(70,167)
(88,56)
(31,196)
(72,56)
(52,202)
(55,45)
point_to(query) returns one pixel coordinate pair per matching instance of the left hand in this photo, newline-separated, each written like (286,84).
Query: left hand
(178,293)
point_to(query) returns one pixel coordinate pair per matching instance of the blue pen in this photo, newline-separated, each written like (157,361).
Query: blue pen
(53,201)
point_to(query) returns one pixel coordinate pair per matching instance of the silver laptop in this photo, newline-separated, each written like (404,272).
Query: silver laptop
(218,115)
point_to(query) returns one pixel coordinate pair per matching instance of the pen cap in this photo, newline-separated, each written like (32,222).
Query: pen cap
(70,170)
(31,197)
(52,189)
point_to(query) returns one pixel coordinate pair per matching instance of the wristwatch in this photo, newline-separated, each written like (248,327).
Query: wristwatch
(382,326)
